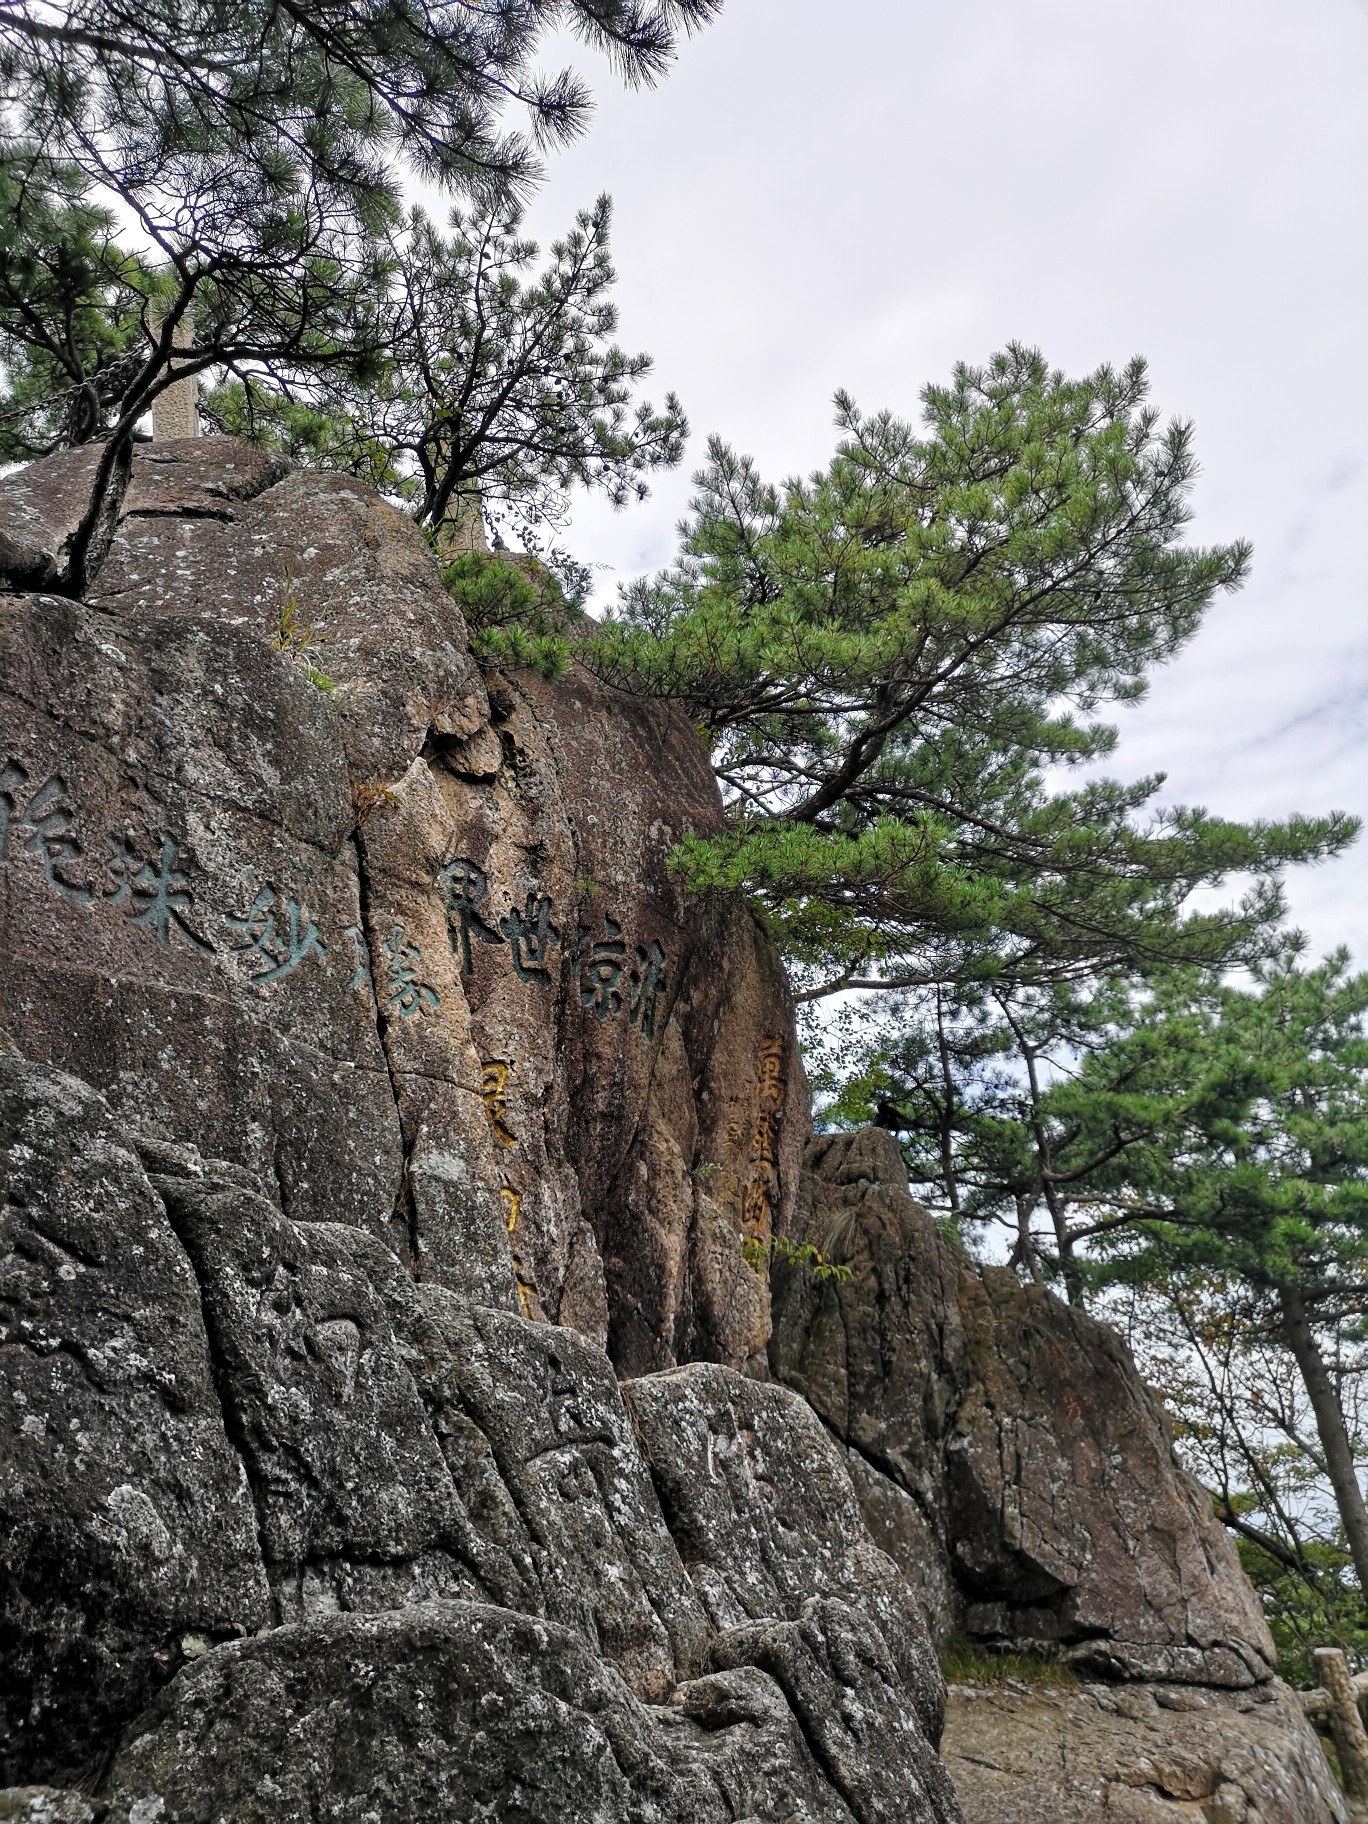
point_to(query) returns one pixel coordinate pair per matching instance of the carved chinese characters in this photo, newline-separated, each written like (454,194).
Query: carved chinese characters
(159,891)
(530,934)
(404,991)
(275,934)
(493,1081)
(613,977)
(494,1074)
(465,889)
(41,824)
(607,985)
(759,1133)
(361,958)
(281,949)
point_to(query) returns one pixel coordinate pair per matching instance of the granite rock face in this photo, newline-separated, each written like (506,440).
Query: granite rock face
(284,882)
(457,1711)
(1010,1456)
(126,1522)
(290,1534)
(1136,1755)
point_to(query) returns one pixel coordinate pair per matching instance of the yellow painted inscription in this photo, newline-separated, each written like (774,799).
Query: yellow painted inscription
(493,1083)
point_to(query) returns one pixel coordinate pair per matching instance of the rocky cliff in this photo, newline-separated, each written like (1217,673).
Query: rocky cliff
(1010,1460)
(391,1425)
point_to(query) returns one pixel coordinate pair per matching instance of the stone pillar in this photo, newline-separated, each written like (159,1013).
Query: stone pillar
(463,529)
(1346,1725)
(175,413)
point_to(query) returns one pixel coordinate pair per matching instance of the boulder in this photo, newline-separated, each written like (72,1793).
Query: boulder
(293,1533)
(453,1711)
(1136,1755)
(763,1513)
(127,1525)
(392,1424)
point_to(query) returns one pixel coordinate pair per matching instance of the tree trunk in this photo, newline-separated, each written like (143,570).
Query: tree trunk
(1059,1216)
(1330,1426)
(88,544)
(947,1120)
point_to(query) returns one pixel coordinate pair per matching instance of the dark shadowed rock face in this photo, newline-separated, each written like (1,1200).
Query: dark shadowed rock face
(1007,1456)
(288,1534)
(413,957)
(1011,1457)
(456,1711)
(126,1521)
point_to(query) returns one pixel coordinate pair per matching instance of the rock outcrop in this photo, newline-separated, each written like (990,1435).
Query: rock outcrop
(290,1534)
(375,1104)
(390,1423)
(325,932)
(1135,1754)
(1008,1457)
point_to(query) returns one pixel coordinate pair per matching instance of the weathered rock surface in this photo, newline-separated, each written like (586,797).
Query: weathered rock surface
(44,1805)
(1012,1460)
(388,1426)
(392,1548)
(1006,1454)
(126,1522)
(1136,1755)
(457,1711)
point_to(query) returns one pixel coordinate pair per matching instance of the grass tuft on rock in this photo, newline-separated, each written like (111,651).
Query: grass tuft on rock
(969,1662)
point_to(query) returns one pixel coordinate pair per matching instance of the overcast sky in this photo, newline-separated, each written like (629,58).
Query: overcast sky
(860,195)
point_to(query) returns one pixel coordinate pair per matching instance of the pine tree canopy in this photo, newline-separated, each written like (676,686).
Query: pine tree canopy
(71,307)
(167,100)
(1184,1124)
(489,381)
(1256,1166)
(897,661)
(255,152)
(88,330)
(1228,1130)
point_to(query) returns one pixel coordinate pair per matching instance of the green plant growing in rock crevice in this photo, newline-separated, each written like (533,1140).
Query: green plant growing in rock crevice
(969,1662)
(295,637)
(760,1255)
(367,796)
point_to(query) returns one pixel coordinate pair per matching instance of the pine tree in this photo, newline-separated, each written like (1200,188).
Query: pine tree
(978,1083)
(1201,1144)
(494,383)
(71,302)
(894,661)
(1259,1172)
(258,151)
